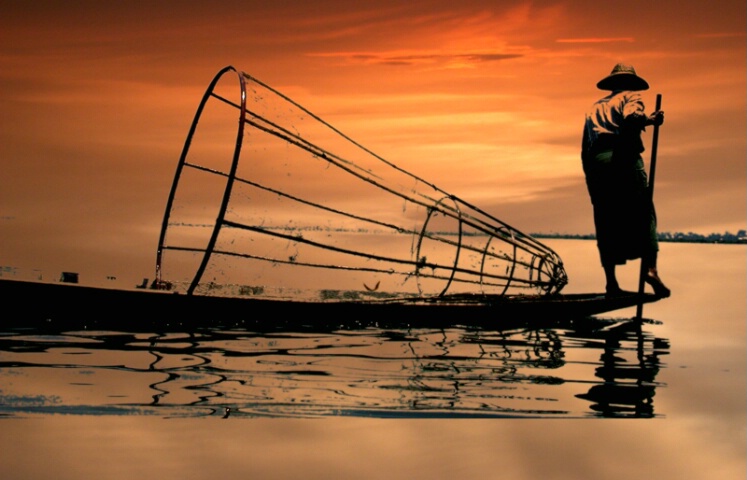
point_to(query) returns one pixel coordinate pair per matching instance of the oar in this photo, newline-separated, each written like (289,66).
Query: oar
(651,178)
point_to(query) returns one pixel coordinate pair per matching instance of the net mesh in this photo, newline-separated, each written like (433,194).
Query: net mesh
(270,200)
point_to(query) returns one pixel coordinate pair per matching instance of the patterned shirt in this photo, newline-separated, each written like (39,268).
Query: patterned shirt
(611,113)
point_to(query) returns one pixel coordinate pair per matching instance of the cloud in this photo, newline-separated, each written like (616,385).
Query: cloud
(464,59)
(721,35)
(597,40)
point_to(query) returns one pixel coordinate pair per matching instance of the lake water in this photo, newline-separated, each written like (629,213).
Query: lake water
(523,399)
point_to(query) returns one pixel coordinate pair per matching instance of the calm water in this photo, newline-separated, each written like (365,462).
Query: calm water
(681,372)
(576,369)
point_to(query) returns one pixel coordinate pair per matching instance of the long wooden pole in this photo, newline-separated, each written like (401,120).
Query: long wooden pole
(651,178)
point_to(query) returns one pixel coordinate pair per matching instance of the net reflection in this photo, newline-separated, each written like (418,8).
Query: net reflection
(583,368)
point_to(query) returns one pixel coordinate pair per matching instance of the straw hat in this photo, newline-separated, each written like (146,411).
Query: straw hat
(623,77)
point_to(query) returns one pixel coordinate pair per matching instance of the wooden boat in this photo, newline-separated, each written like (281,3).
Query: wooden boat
(291,220)
(38,303)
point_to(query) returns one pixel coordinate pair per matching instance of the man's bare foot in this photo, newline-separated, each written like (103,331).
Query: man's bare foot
(660,290)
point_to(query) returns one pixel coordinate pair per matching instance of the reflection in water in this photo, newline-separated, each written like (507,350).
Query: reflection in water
(526,370)
(629,384)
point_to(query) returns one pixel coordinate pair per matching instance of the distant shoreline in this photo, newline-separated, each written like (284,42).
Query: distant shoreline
(727,238)
(740,238)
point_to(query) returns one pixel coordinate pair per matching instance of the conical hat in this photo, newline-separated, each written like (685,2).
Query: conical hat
(623,77)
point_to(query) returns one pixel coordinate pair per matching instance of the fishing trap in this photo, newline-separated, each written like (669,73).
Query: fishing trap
(269,200)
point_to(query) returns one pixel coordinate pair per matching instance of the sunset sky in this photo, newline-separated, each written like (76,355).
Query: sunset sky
(484,99)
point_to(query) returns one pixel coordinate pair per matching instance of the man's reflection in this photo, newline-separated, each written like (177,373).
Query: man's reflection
(629,365)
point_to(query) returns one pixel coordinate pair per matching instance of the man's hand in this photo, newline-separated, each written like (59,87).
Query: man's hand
(656,118)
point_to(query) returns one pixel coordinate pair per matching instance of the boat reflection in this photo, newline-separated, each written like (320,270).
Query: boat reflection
(527,369)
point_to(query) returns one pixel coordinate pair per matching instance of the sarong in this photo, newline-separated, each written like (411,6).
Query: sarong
(624,215)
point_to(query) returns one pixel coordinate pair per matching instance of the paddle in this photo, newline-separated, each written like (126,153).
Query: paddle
(652,176)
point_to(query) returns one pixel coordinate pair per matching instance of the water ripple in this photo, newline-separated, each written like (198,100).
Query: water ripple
(582,368)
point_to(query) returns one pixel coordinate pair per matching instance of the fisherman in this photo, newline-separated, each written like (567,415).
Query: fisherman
(624,215)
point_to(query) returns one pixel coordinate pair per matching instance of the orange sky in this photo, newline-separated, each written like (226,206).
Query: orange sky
(484,99)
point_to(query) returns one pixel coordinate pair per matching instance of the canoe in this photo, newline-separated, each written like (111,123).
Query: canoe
(30,303)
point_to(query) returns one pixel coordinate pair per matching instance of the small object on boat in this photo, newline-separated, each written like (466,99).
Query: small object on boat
(69,277)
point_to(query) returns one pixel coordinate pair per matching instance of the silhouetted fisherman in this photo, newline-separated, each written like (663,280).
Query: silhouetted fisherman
(624,215)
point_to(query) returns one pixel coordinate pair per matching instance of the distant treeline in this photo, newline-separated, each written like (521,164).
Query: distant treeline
(727,237)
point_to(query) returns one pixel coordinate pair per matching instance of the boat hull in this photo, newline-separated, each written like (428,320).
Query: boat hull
(80,306)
